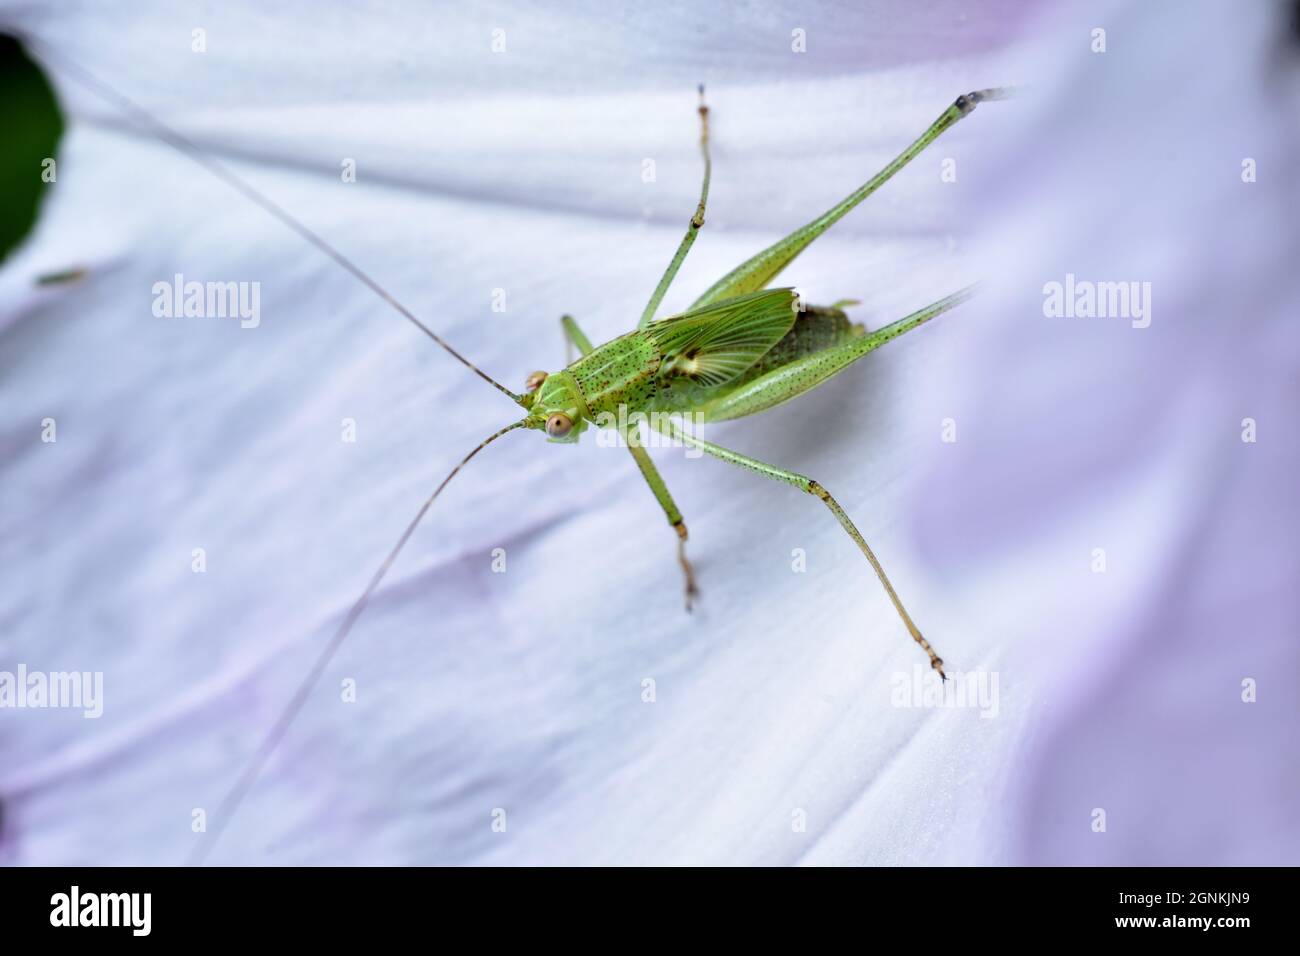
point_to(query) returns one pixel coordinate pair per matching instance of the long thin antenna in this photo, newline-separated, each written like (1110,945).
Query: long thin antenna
(235,796)
(208,162)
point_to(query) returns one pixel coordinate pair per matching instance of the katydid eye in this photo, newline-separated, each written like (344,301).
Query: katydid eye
(535,381)
(559,425)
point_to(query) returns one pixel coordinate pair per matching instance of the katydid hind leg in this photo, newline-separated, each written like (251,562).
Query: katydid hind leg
(757,271)
(814,488)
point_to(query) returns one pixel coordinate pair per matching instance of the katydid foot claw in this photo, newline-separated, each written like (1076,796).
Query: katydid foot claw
(692,592)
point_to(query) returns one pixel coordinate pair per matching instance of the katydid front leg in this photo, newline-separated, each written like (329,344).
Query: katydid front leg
(660,489)
(578,339)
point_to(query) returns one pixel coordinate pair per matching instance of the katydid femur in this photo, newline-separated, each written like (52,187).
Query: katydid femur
(741,348)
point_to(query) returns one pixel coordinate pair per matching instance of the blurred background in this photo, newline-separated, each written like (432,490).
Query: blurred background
(1091,516)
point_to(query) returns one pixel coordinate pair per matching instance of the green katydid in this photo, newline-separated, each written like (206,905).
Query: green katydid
(741,348)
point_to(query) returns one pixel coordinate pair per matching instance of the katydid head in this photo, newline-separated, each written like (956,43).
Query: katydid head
(556,406)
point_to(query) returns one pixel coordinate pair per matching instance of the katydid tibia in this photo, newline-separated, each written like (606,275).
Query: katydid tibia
(741,348)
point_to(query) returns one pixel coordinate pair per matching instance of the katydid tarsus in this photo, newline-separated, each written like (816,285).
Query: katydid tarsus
(741,348)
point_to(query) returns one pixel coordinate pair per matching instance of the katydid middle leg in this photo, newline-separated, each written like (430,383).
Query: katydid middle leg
(578,339)
(574,338)
(693,227)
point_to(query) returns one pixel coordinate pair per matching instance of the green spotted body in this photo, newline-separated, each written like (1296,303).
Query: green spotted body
(681,364)
(623,371)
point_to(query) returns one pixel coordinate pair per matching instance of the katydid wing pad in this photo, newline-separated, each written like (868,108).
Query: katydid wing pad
(717,343)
